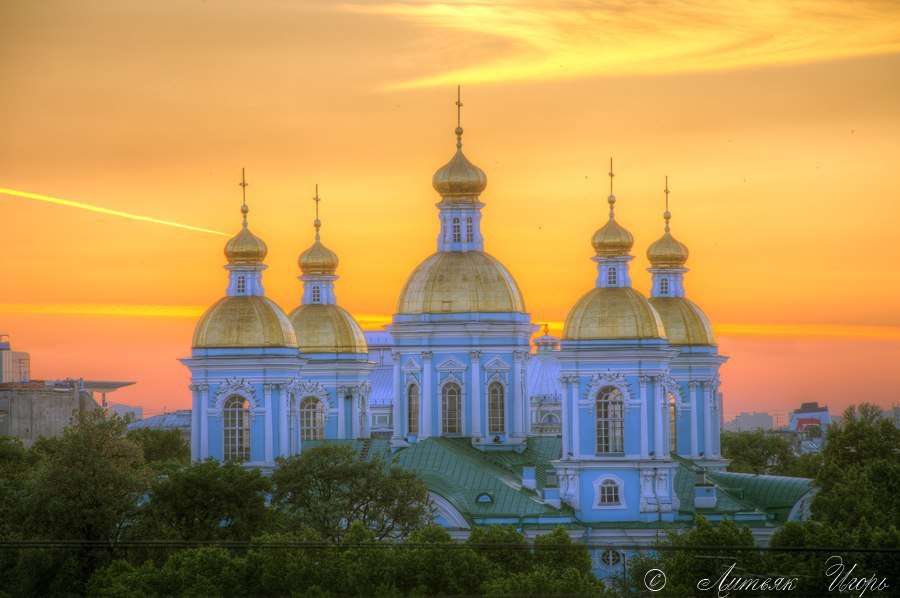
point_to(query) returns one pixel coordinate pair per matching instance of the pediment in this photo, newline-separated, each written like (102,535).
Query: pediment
(451,365)
(496,364)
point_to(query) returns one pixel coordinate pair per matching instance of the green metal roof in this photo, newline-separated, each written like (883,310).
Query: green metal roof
(774,494)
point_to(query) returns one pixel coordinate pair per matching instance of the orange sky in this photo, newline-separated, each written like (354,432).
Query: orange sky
(776,122)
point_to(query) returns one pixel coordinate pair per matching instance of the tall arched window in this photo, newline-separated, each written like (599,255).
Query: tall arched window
(451,408)
(236,415)
(312,419)
(673,427)
(412,409)
(496,410)
(610,421)
(456,234)
(470,233)
(611,276)
(241,285)
(316,294)
(609,492)
(664,286)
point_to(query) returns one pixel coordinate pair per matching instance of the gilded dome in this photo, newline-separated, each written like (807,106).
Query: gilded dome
(318,259)
(667,252)
(684,322)
(460,282)
(459,180)
(245,248)
(244,321)
(612,239)
(324,328)
(612,313)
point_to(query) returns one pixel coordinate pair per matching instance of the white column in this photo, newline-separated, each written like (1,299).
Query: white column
(477,406)
(399,424)
(204,421)
(576,419)
(657,419)
(341,408)
(707,423)
(566,413)
(716,422)
(518,360)
(645,424)
(355,413)
(426,425)
(195,422)
(283,416)
(269,439)
(692,386)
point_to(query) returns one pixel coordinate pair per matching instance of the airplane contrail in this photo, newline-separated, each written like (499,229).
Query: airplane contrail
(84,206)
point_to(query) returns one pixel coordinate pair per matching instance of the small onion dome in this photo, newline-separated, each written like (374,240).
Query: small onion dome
(459,179)
(612,239)
(327,329)
(684,322)
(318,259)
(667,252)
(546,342)
(245,248)
(612,313)
(460,282)
(244,321)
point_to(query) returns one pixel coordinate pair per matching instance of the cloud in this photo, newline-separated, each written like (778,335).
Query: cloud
(546,40)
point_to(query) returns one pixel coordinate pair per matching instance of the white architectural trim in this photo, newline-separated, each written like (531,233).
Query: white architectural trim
(443,507)
(496,364)
(621,486)
(451,365)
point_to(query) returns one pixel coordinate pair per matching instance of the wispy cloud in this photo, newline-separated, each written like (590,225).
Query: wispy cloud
(101,309)
(102,210)
(547,40)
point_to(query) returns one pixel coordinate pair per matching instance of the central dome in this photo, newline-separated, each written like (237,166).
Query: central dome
(612,313)
(460,282)
(327,329)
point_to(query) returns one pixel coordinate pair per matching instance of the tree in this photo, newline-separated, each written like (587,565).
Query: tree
(757,451)
(544,581)
(86,489)
(206,501)
(558,552)
(440,566)
(327,488)
(503,546)
(159,446)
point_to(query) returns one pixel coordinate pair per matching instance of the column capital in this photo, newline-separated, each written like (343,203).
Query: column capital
(395,357)
(426,355)
(475,355)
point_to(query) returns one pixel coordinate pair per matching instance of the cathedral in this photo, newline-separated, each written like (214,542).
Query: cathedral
(611,430)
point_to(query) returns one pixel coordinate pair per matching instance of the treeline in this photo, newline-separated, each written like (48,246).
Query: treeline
(112,513)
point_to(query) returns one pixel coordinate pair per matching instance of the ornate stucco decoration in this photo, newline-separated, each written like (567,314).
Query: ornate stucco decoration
(451,377)
(412,379)
(616,380)
(670,385)
(299,389)
(496,377)
(233,387)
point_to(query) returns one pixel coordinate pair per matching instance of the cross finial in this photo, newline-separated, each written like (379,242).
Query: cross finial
(546,329)
(244,185)
(612,198)
(611,175)
(667,215)
(459,105)
(317,223)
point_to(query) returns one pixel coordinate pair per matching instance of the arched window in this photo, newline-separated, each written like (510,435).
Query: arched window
(673,427)
(236,415)
(316,294)
(412,409)
(241,285)
(496,411)
(312,419)
(611,276)
(451,408)
(664,286)
(610,421)
(456,235)
(470,233)
(609,492)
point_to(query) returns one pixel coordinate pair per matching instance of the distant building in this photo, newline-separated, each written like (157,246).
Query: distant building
(15,366)
(179,420)
(29,410)
(129,412)
(750,421)
(809,414)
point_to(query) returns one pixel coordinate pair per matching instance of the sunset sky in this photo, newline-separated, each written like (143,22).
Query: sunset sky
(125,125)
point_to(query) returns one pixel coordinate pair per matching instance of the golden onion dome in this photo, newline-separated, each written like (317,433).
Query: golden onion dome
(683,321)
(460,282)
(322,328)
(459,180)
(244,321)
(245,248)
(612,313)
(318,259)
(667,251)
(612,239)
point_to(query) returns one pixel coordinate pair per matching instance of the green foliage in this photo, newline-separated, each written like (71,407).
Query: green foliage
(326,488)
(85,488)
(757,451)
(503,546)
(432,571)
(161,446)
(547,555)
(545,581)
(206,501)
